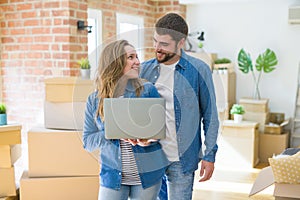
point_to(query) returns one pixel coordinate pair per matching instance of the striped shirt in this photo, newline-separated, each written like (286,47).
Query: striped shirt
(130,175)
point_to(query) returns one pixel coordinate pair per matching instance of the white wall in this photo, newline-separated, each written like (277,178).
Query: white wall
(253,25)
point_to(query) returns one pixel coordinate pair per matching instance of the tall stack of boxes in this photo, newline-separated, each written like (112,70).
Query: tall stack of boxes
(242,139)
(58,167)
(10,152)
(272,139)
(224,78)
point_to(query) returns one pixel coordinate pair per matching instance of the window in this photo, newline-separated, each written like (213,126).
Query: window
(130,28)
(94,39)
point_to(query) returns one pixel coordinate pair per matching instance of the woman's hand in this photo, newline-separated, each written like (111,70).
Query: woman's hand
(140,142)
(145,142)
(133,142)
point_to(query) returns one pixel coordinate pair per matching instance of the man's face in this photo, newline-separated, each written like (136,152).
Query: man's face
(166,49)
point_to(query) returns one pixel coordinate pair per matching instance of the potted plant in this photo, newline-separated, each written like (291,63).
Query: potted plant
(237,111)
(265,62)
(3,116)
(222,65)
(85,68)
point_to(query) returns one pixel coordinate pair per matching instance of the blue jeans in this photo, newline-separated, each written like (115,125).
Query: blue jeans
(179,186)
(133,192)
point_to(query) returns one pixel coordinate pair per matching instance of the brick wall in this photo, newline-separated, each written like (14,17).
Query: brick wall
(39,39)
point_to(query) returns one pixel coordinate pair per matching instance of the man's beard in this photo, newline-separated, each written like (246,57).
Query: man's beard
(167,57)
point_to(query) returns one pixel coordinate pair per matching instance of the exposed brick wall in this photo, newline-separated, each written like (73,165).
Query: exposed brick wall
(39,39)
(1,19)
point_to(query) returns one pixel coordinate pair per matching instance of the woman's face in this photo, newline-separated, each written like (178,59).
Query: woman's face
(131,70)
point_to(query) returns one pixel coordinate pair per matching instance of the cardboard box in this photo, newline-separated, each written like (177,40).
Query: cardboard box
(53,153)
(10,134)
(242,138)
(225,87)
(59,188)
(277,118)
(67,115)
(270,145)
(254,105)
(10,198)
(274,128)
(9,154)
(261,117)
(224,66)
(224,110)
(281,191)
(68,89)
(229,127)
(7,182)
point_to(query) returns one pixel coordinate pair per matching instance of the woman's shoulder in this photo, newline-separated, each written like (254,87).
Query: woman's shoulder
(150,90)
(93,96)
(148,85)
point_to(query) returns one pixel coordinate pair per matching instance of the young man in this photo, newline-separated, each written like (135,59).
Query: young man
(186,84)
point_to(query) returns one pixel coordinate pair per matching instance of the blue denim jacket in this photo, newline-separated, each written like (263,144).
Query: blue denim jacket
(151,160)
(194,102)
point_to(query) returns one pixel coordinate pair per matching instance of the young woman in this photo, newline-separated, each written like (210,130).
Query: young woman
(125,171)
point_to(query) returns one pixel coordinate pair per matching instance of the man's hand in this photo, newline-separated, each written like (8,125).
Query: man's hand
(207,170)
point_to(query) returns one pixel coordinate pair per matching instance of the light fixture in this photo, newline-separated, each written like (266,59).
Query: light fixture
(201,37)
(81,26)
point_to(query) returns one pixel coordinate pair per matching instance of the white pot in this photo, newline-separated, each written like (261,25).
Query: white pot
(237,118)
(85,73)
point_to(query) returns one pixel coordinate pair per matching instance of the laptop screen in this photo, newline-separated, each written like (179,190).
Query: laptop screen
(132,118)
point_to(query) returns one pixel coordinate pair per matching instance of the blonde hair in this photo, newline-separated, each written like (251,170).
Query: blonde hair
(112,62)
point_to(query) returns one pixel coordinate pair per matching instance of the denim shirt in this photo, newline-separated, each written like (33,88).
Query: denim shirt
(151,160)
(194,103)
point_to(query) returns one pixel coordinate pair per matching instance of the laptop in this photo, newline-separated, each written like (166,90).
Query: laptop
(134,118)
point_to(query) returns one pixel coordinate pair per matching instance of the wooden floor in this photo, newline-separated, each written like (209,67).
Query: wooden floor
(230,184)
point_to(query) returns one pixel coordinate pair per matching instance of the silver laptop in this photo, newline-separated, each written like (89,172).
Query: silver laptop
(132,118)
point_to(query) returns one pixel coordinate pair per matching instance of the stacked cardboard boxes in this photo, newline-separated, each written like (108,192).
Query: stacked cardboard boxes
(224,78)
(275,139)
(256,111)
(10,152)
(58,167)
(65,102)
(225,89)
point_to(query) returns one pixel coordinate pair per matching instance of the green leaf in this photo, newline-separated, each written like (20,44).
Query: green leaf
(2,108)
(222,61)
(237,109)
(244,61)
(84,63)
(266,61)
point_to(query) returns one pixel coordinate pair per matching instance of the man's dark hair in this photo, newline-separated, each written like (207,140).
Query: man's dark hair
(172,24)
